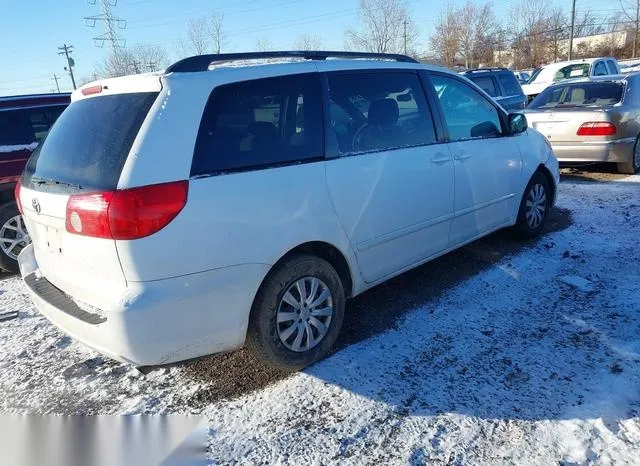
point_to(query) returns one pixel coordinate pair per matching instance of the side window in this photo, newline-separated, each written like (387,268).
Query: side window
(467,113)
(15,128)
(378,111)
(486,84)
(613,69)
(258,123)
(509,84)
(600,69)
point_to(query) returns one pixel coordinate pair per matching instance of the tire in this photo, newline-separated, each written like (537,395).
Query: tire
(631,167)
(273,339)
(10,220)
(536,198)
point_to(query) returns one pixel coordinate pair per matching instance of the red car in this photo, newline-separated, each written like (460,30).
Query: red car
(24,122)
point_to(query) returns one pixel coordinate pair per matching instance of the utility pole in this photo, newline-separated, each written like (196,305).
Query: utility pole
(66,50)
(573,22)
(635,32)
(55,78)
(405,36)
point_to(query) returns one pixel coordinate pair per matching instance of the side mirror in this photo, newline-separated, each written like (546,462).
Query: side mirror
(517,123)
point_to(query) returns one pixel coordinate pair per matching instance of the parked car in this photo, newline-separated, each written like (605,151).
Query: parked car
(218,204)
(24,122)
(501,85)
(592,120)
(522,76)
(556,72)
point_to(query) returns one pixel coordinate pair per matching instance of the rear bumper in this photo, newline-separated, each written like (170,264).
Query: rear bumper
(620,150)
(160,322)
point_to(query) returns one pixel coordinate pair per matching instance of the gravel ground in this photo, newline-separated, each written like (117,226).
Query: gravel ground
(501,352)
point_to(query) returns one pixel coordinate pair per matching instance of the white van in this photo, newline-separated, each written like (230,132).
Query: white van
(224,203)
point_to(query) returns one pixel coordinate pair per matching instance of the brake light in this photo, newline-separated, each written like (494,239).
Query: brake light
(597,128)
(126,214)
(18,188)
(92,90)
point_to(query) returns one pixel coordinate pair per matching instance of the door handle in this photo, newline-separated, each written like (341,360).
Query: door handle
(439,159)
(462,156)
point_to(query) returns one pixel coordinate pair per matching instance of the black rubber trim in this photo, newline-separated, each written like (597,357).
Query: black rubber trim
(58,299)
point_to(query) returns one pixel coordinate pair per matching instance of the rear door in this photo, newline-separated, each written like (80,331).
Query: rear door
(391,178)
(83,153)
(487,163)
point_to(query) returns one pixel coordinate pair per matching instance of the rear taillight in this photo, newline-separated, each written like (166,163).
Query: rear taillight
(126,213)
(17,194)
(597,128)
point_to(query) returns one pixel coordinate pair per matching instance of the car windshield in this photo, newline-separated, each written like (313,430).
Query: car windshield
(534,75)
(579,95)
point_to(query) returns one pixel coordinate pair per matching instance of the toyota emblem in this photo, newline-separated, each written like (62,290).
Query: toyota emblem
(36,205)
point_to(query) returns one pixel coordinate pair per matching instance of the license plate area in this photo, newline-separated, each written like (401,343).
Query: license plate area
(51,237)
(550,127)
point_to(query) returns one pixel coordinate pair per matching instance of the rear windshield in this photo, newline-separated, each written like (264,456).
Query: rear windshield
(88,145)
(579,95)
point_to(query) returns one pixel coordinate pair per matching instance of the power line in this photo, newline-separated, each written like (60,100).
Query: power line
(66,50)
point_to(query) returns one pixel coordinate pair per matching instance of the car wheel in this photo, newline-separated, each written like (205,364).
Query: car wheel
(631,168)
(13,236)
(534,207)
(297,313)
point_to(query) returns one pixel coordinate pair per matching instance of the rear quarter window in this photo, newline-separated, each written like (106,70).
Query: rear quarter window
(260,123)
(510,84)
(486,84)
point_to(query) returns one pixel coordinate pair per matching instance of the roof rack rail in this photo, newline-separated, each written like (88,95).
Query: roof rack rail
(202,62)
(489,68)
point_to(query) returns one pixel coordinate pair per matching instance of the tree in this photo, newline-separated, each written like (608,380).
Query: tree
(386,27)
(263,44)
(445,40)
(476,23)
(197,37)
(529,21)
(215,28)
(308,41)
(631,9)
(558,32)
(139,58)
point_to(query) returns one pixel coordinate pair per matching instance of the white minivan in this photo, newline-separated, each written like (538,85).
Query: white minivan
(229,202)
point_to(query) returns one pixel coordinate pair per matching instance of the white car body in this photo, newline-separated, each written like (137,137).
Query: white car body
(547,75)
(187,290)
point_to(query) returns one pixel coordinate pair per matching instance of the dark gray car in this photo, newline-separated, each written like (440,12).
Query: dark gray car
(591,120)
(502,85)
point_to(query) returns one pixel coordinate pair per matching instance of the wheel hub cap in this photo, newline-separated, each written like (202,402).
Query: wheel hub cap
(304,314)
(536,206)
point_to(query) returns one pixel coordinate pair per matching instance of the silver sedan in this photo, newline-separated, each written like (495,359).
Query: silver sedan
(591,120)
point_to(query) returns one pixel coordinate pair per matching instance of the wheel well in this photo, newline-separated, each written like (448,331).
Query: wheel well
(552,184)
(329,253)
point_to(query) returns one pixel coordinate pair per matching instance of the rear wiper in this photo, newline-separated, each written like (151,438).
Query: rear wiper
(52,182)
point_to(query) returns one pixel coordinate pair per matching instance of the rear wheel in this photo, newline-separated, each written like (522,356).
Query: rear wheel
(632,167)
(297,314)
(13,236)
(534,207)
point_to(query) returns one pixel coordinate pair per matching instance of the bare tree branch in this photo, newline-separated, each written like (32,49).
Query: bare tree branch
(308,41)
(386,27)
(215,29)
